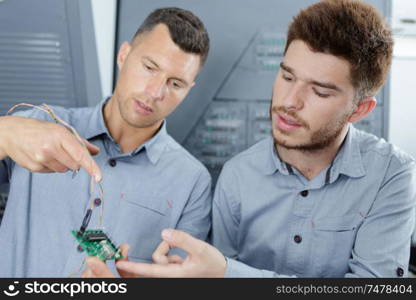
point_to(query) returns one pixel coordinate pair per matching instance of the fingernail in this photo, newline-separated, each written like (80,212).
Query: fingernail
(97,177)
(167,234)
(88,262)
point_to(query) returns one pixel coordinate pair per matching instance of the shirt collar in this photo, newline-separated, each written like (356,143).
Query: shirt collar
(154,147)
(348,161)
(95,125)
(272,161)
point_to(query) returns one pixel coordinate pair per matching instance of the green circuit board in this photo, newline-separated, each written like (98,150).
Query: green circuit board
(96,243)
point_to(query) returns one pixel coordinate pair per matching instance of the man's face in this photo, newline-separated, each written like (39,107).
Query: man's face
(312,99)
(155,76)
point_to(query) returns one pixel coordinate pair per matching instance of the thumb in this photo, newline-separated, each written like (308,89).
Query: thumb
(124,251)
(92,149)
(183,240)
(124,248)
(98,267)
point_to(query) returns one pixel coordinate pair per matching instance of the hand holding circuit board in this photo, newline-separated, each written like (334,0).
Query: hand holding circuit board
(74,152)
(95,242)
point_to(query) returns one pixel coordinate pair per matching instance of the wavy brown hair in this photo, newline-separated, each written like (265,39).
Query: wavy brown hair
(352,30)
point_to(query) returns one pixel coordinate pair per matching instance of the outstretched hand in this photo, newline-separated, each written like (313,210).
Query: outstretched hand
(203,260)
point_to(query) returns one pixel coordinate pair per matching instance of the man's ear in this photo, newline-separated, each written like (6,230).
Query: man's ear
(363,108)
(122,54)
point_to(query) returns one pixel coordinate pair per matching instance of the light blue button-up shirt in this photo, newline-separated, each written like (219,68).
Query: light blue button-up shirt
(354,219)
(158,185)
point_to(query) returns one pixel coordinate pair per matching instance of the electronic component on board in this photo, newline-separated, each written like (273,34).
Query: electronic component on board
(96,243)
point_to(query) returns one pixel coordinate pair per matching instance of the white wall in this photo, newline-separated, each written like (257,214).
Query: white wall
(403,79)
(403,99)
(104,14)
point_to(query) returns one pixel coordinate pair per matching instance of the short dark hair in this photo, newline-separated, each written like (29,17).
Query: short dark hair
(186,30)
(352,30)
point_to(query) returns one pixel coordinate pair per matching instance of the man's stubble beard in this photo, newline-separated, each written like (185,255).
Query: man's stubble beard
(320,139)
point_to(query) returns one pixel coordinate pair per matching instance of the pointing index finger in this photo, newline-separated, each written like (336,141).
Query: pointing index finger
(80,154)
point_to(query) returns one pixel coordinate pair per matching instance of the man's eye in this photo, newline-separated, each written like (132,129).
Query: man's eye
(176,85)
(322,95)
(147,67)
(287,78)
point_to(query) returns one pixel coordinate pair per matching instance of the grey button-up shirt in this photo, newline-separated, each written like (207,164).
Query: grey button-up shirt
(156,186)
(354,219)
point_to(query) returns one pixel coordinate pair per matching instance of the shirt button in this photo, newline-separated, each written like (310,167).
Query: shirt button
(400,272)
(112,162)
(304,193)
(297,239)
(97,201)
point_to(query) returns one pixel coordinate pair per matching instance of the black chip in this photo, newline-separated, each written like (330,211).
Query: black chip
(95,237)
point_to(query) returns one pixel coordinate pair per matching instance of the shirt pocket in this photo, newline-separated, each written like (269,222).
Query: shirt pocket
(139,224)
(333,241)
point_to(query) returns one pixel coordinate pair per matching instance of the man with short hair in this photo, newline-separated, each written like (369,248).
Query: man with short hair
(148,181)
(319,198)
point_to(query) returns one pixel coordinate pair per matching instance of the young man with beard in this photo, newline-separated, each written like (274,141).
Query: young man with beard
(149,181)
(319,198)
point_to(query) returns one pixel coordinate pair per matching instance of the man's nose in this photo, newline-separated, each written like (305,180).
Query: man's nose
(294,98)
(156,88)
